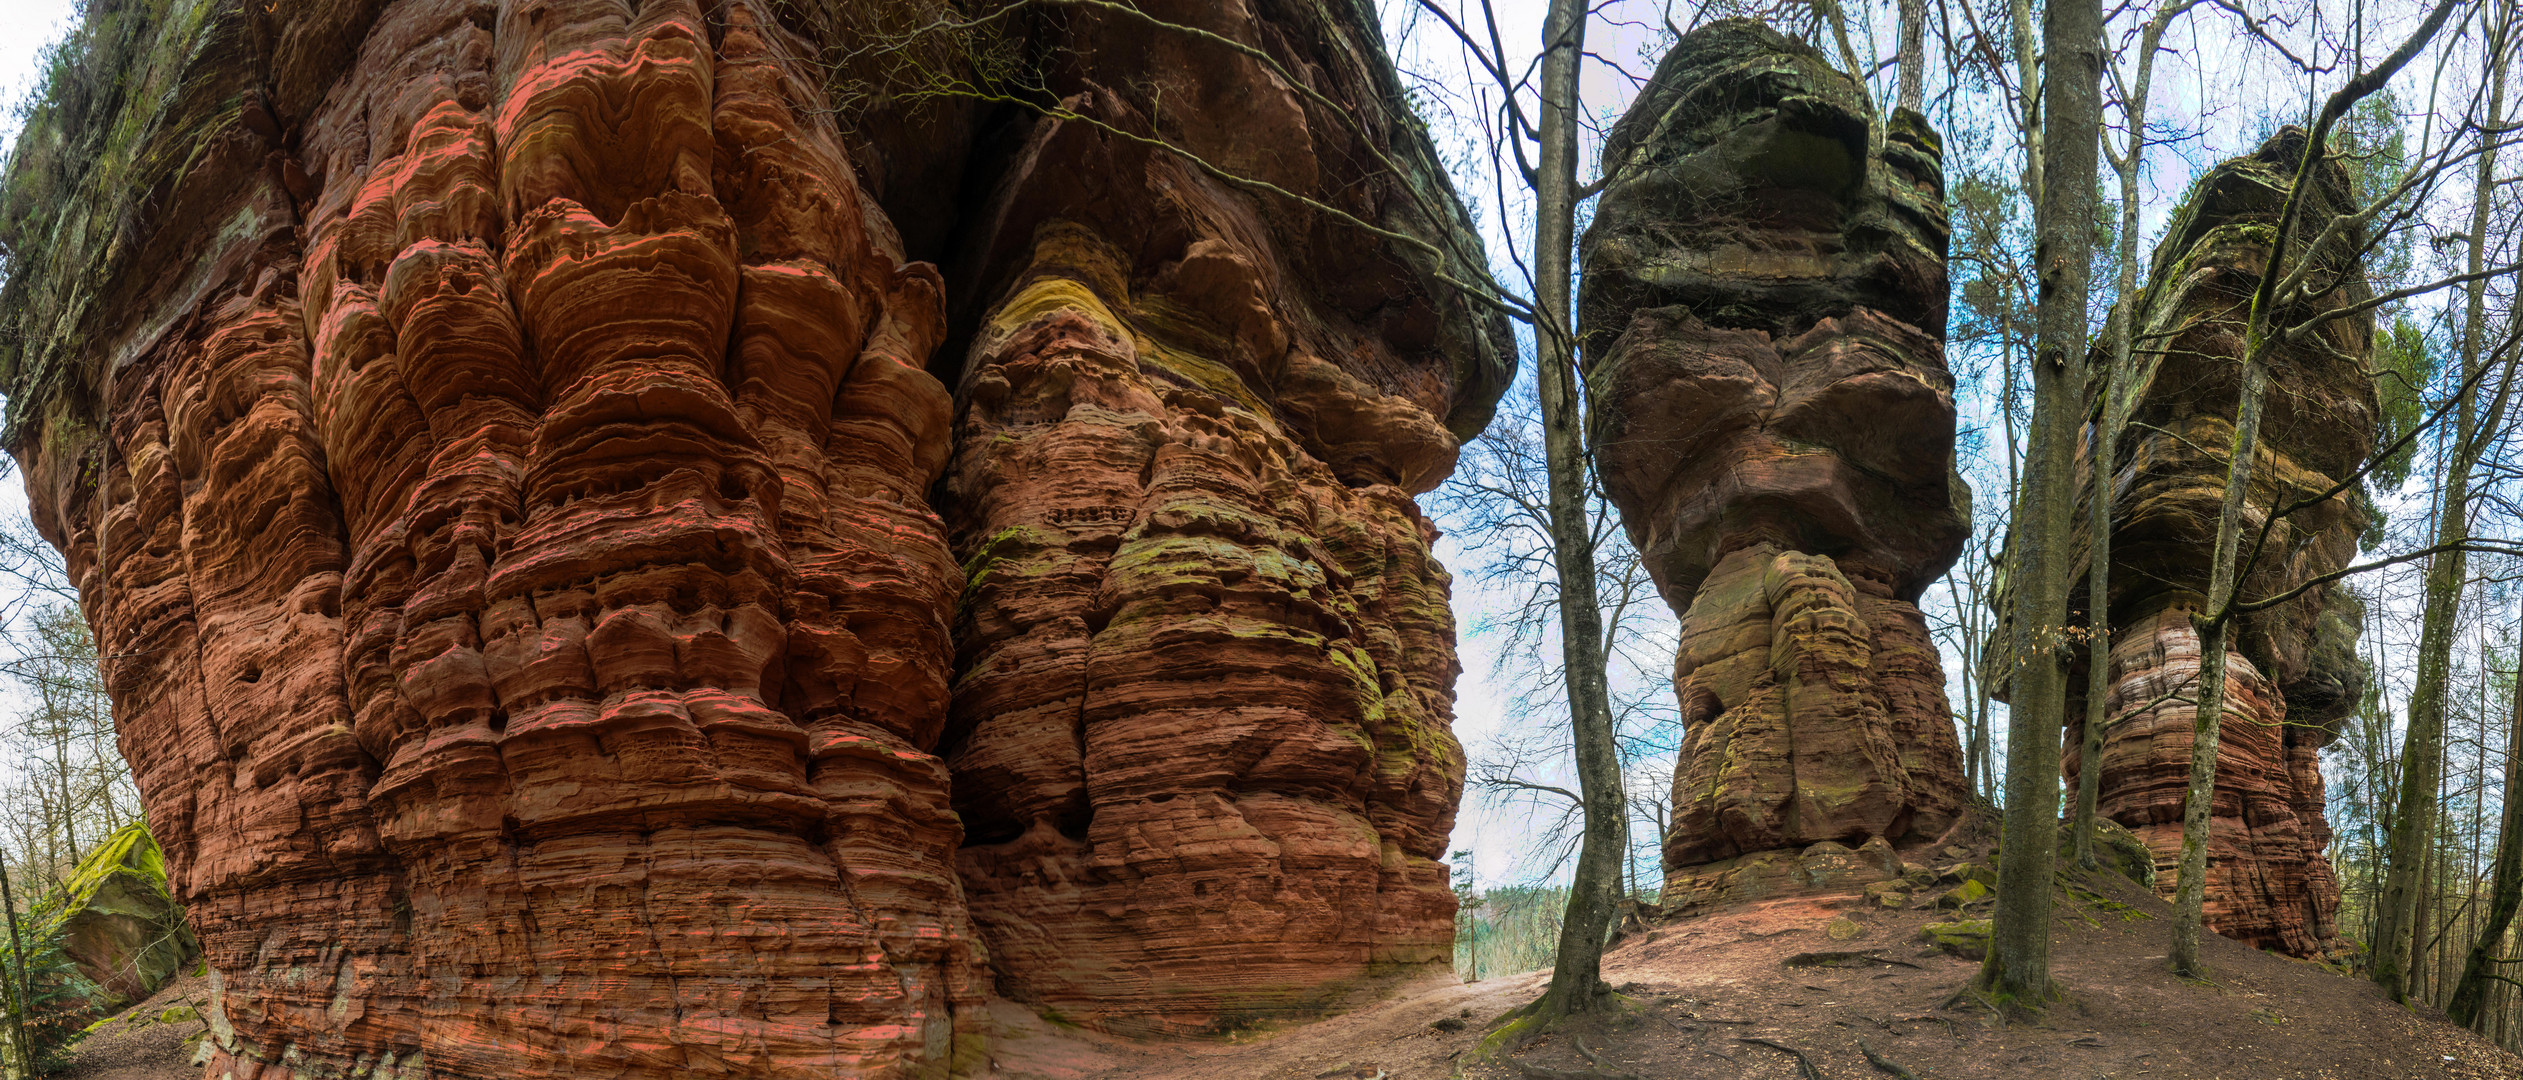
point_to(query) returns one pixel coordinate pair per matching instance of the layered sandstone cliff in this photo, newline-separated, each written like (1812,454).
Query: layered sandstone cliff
(588,596)
(2294,673)
(1763,318)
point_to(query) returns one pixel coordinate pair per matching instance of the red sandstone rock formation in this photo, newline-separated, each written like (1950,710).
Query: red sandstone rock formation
(1763,314)
(2294,673)
(1205,667)
(501,458)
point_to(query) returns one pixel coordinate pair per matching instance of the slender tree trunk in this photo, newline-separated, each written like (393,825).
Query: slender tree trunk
(1970,630)
(1577,975)
(2105,464)
(2018,964)
(2420,908)
(2190,889)
(21,990)
(2225,576)
(2413,818)
(1913,60)
(2028,76)
(2098,578)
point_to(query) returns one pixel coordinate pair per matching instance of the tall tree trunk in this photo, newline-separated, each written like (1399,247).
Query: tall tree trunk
(1913,58)
(2028,77)
(2104,456)
(2413,818)
(2018,964)
(1577,975)
(2225,576)
(21,989)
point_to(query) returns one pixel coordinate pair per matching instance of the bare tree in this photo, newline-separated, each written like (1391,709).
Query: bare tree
(2018,964)
(2126,162)
(2414,817)
(2289,278)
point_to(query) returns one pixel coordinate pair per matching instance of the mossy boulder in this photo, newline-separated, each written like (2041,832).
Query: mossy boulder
(1966,938)
(118,920)
(2115,849)
(1970,892)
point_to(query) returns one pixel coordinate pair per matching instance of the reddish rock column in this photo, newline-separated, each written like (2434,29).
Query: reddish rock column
(2294,673)
(535,633)
(1763,316)
(1201,725)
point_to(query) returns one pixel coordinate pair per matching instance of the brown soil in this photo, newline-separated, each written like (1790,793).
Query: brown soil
(1699,987)
(138,1045)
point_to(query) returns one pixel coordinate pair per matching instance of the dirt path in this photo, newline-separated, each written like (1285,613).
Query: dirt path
(1703,986)
(147,1041)
(1700,987)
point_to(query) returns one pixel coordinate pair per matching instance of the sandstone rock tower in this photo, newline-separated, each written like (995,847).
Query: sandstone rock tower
(1763,320)
(2294,673)
(632,544)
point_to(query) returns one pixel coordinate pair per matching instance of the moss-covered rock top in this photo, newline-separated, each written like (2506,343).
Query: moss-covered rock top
(118,920)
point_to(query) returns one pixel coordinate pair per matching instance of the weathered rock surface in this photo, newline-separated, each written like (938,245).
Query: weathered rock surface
(1763,316)
(118,921)
(2293,673)
(502,462)
(1204,661)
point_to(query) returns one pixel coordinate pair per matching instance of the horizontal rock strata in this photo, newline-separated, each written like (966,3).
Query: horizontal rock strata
(563,622)
(1763,316)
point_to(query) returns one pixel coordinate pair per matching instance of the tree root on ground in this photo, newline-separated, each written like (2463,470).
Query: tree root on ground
(1802,1062)
(1884,1064)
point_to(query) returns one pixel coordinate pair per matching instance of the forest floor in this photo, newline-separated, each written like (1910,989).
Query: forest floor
(1698,989)
(151,1040)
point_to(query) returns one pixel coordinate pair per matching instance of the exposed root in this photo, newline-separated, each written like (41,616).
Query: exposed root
(1829,959)
(1884,1064)
(1605,1068)
(1951,1028)
(1545,1072)
(1803,1063)
(1970,994)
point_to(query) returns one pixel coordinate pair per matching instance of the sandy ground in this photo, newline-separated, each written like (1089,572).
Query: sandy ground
(1700,988)
(137,1045)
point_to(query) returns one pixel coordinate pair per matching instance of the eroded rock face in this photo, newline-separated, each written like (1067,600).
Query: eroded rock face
(1205,666)
(2293,673)
(1763,316)
(511,489)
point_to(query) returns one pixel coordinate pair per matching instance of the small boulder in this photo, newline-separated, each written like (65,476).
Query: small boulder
(1966,938)
(1888,894)
(1877,853)
(1958,873)
(1826,862)
(2115,849)
(1843,929)
(1970,892)
(118,921)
